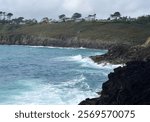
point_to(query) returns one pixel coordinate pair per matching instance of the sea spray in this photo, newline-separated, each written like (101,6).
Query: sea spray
(49,76)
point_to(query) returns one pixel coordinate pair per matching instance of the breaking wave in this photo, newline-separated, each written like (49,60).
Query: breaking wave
(67,92)
(88,62)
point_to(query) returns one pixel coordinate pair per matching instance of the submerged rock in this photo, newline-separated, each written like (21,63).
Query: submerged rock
(128,85)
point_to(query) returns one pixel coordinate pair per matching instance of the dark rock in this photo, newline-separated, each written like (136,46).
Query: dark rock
(60,41)
(90,101)
(129,85)
(123,54)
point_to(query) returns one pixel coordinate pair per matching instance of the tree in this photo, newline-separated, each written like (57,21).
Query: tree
(143,19)
(34,21)
(18,20)
(45,20)
(31,21)
(62,17)
(124,19)
(108,18)
(76,16)
(9,15)
(116,15)
(1,14)
(4,15)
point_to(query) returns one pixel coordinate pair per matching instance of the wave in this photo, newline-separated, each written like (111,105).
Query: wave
(70,92)
(75,58)
(104,65)
(88,62)
(79,82)
(36,46)
(52,47)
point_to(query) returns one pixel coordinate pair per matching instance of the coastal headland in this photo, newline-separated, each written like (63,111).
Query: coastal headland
(127,43)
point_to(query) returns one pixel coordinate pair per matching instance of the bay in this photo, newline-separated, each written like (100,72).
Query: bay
(49,75)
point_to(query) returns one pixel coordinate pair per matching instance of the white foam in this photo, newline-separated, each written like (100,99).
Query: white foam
(88,62)
(78,82)
(92,64)
(70,92)
(37,46)
(65,47)
(68,58)
(74,81)
(83,48)
(75,58)
(52,47)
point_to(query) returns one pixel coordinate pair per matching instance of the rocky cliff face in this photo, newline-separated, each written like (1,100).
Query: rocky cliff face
(128,85)
(124,53)
(62,41)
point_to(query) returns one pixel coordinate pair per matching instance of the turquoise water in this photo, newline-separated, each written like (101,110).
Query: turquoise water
(48,75)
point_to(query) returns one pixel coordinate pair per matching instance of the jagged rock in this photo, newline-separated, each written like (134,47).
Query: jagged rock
(123,54)
(129,85)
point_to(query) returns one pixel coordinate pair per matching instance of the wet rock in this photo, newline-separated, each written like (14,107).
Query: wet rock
(129,85)
(123,54)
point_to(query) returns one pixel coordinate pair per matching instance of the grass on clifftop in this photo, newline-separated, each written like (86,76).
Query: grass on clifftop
(118,32)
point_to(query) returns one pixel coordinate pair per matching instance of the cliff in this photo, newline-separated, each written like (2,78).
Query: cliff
(128,85)
(23,39)
(83,34)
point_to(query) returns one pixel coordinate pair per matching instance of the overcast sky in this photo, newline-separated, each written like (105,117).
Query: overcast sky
(52,8)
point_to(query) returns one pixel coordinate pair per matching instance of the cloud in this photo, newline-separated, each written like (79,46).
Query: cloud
(77,5)
(53,8)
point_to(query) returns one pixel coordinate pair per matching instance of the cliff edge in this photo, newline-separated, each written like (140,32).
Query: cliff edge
(128,85)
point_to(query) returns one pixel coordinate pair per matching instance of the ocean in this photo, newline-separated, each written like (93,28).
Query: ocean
(36,75)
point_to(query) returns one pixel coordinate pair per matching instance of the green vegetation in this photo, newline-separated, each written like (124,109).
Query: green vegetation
(90,30)
(132,33)
(114,30)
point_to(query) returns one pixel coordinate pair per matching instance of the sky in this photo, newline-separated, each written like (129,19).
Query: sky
(53,8)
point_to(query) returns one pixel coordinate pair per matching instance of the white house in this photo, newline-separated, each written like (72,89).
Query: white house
(91,17)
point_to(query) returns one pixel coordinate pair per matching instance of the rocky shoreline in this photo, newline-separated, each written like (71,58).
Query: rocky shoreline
(127,85)
(62,41)
(123,54)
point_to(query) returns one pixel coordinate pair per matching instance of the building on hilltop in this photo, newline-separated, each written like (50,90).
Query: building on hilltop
(91,17)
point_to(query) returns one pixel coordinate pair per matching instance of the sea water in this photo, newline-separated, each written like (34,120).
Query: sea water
(49,75)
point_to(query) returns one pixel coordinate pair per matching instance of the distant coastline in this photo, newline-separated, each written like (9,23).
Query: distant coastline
(82,34)
(127,37)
